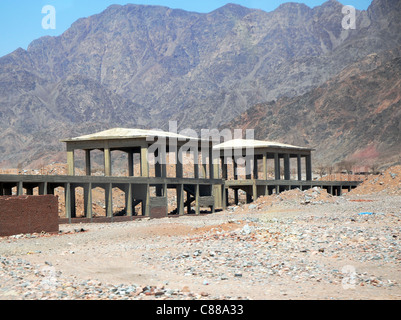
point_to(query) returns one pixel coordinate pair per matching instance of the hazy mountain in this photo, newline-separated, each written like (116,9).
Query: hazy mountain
(354,116)
(138,65)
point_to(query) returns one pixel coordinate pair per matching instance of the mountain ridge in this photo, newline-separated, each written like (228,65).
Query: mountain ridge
(161,64)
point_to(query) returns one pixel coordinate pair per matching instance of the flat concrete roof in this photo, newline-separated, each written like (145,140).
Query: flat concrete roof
(257,144)
(123,133)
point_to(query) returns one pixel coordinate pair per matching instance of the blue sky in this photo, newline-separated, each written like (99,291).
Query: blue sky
(21,20)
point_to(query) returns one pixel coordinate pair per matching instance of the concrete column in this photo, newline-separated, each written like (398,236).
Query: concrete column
(204,164)
(180,199)
(235,168)
(67,194)
(144,162)
(308,166)
(88,166)
(146,203)
(224,169)
(20,189)
(197,208)
(254,191)
(179,167)
(70,162)
(107,162)
(196,163)
(265,166)
(277,166)
(109,200)
(287,168)
(42,189)
(129,200)
(299,169)
(130,154)
(224,197)
(88,200)
(255,167)
(163,159)
(248,168)
(158,168)
(211,164)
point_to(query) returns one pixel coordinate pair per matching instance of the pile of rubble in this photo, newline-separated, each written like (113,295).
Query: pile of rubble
(312,196)
(388,181)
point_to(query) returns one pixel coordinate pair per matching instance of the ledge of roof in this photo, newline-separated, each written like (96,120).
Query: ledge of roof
(256,144)
(123,133)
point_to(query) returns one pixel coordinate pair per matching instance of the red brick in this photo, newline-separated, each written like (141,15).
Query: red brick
(28,214)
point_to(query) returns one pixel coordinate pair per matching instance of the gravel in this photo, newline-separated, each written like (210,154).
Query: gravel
(286,250)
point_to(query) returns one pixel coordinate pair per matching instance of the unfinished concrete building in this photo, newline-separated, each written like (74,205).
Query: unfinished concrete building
(268,167)
(200,184)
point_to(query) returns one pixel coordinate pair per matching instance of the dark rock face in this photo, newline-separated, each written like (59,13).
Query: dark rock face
(141,66)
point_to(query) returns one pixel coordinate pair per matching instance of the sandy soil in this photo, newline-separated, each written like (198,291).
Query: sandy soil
(281,249)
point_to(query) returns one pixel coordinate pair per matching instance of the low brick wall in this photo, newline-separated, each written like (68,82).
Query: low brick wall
(28,214)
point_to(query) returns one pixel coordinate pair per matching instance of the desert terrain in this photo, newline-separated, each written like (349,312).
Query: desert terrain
(297,245)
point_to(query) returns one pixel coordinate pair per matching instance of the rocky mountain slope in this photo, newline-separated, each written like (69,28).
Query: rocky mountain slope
(357,114)
(141,66)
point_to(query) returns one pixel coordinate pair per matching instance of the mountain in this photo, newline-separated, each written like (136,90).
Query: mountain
(141,66)
(357,114)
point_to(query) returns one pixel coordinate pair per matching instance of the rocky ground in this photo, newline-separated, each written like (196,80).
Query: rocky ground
(297,245)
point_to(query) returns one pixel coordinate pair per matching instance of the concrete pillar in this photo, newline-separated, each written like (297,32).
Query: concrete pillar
(88,200)
(42,188)
(265,166)
(197,208)
(179,166)
(224,169)
(70,162)
(196,163)
(130,155)
(235,168)
(211,164)
(146,203)
(255,167)
(180,199)
(299,167)
(107,162)
(109,200)
(144,162)
(20,189)
(129,200)
(254,191)
(163,159)
(67,195)
(277,166)
(287,168)
(248,168)
(88,166)
(204,164)
(158,167)
(224,197)
(308,167)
